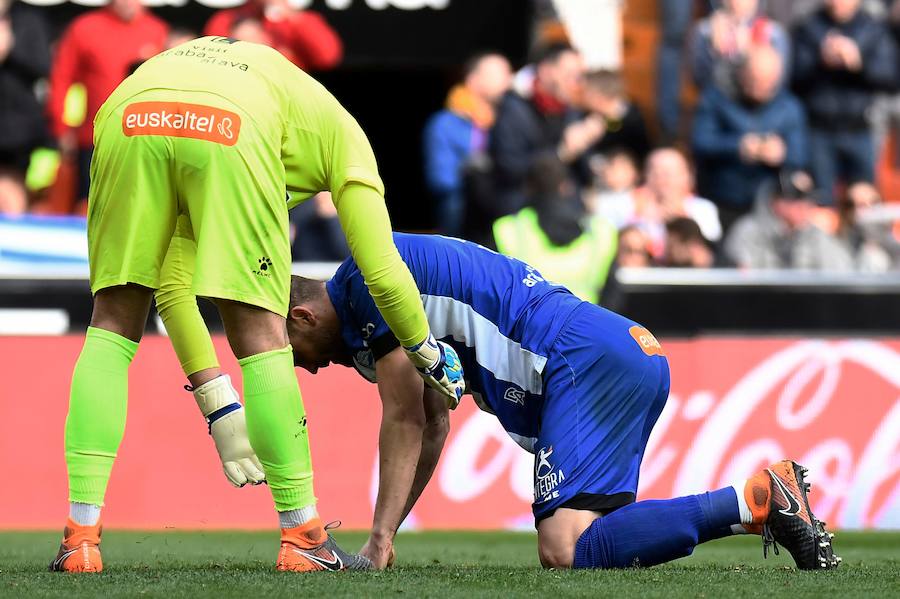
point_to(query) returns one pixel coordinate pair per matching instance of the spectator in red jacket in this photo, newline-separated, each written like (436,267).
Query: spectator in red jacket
(98,50)
(303,36)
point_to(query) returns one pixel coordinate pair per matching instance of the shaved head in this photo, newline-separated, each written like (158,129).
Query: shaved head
(761,74)
(313,326)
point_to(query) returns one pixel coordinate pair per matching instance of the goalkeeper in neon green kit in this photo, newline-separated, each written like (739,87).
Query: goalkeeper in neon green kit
(194,155)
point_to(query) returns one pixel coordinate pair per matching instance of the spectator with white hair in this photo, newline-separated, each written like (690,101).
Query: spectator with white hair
(739,143)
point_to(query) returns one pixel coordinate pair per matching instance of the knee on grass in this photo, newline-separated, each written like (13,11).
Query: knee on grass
(556,554)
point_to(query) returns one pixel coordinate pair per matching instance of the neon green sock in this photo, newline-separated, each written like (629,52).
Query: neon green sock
(276,425)
(97,405)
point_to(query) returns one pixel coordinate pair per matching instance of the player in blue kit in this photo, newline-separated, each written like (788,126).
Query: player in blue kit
(578,386)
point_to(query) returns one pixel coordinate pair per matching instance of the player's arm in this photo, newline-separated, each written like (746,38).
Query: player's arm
(403,424)
(177,305)
(437,426)
(367,227)
(218,401)
(414,426)
(364,220)
(351,174)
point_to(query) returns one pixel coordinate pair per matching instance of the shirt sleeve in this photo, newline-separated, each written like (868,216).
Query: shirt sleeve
(323,147)
(351,158)
(370,323)
(366,226)
(326,150)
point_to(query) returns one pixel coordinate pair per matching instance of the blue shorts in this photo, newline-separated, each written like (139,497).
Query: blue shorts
(606,385)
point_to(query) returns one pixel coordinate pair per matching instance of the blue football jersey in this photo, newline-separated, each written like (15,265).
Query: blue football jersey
(498,313)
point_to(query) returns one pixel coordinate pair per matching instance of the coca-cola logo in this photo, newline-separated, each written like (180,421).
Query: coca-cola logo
(735,407)
(832,406)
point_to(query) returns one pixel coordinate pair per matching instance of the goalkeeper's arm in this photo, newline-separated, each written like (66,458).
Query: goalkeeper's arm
(178,309)
(364,220)
(216,398)
(367,227)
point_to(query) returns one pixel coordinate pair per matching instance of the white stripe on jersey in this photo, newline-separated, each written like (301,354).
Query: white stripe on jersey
(506,359)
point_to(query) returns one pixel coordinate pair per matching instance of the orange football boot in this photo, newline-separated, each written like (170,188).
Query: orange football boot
(777,497)
(79,550)
(309,548)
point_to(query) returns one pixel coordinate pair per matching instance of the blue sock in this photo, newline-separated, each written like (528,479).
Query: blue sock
(653,532)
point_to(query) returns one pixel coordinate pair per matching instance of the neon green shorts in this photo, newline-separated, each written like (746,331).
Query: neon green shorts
(165,153)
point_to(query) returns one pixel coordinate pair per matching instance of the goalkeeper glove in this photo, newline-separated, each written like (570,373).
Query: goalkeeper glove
(224,414)
(439,365)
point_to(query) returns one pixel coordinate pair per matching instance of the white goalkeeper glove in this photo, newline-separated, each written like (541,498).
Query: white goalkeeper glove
(439,365)
(224,414)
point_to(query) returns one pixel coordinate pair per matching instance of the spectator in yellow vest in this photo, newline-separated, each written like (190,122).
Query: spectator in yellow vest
(555,234)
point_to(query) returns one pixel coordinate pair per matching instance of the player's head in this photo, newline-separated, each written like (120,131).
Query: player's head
(313,327)
(488,76)
(559,70)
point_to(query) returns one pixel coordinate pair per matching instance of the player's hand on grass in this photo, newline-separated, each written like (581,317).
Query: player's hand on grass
(380,552)
(224,413)
(439,365)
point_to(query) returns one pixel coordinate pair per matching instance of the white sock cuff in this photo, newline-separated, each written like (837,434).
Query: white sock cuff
(294,518)
(85,514)
(746,514)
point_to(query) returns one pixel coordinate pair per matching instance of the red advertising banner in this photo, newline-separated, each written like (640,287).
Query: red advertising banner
(736,405)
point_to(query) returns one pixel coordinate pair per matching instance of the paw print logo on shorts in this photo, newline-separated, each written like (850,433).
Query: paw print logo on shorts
(264,268)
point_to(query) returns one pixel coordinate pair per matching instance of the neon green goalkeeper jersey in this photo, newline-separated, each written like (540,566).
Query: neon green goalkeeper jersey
(223,131)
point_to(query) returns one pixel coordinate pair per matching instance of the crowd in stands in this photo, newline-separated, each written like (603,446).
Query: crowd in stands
(776,169)
(773,167)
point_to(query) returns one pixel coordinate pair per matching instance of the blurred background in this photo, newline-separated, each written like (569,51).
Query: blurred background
(725,172)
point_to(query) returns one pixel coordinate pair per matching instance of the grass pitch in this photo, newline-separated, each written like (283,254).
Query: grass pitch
(238,564)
